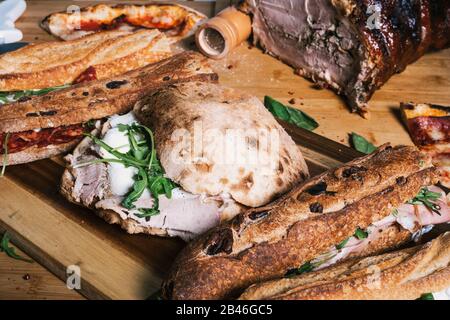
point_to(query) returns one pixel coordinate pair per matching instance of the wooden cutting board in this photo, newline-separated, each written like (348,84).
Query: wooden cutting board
(116,265)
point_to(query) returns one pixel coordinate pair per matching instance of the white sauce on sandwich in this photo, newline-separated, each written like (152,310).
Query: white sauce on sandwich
(121,178)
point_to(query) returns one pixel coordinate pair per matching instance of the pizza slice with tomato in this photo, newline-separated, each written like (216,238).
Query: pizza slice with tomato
(429,127)
(175,21)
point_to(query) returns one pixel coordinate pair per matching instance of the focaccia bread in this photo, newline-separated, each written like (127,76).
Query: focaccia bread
(267,242)
(237,155)
(95,57)
(175,20)
(403,275)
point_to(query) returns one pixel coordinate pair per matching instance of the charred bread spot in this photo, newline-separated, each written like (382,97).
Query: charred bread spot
(237,222)
(258,215)
(85,93)
(354,172)
(23,99)
(387,190)
(320,188)
(116,84)
(219,241)
(316,207)
(401,180)
(41,113)
(32,114)
(166,78)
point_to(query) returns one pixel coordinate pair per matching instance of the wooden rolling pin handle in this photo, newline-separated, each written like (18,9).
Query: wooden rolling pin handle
(219,35)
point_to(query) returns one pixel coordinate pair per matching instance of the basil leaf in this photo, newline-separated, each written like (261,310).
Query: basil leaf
(426,296)
(290,115)
(361,234)
(342,244)
(361,144)
(10,251)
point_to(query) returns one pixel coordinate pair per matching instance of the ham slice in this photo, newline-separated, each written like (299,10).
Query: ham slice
(411,217)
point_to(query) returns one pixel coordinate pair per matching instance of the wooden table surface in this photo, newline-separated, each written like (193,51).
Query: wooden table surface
(428,80)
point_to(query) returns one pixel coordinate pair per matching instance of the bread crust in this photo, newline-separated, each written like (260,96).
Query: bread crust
(101,98)
(401,275)
(265,243)
(49,64)
(216,115)
(37,153)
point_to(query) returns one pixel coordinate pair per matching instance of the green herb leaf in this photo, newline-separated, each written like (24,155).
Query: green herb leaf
(140,184)
(361,144)
(426,296)
(361,234)
(306,267)
(342,244)
(428,199)
(290,115)
(10,251)
(13,96)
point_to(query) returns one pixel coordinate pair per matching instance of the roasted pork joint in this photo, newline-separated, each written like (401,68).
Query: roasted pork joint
(351,46)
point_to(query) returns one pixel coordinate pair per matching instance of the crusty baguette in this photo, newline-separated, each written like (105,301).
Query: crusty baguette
(37,153)
(101,98)
(176,20)
(265,243)
(405,274)
(106,54)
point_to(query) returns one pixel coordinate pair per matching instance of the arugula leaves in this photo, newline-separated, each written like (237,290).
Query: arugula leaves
(13,96)
(342,244)
(306,267)
(361,144)
(290,115)
(428,199)
(10,251)
(361,234)
(142,156)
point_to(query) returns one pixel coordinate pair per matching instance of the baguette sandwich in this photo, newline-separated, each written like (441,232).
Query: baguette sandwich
(98,56)
(364,207)
(42,126)
(175,20)
(188,157)
(421,272)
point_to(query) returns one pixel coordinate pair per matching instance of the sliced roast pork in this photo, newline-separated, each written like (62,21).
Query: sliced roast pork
(351,46)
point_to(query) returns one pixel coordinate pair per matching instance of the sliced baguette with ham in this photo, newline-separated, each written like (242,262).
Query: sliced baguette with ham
(312,220)
(402,275)
(24,125)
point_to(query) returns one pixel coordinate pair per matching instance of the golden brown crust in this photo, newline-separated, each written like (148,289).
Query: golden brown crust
(405,274)
(176,20)
(264,243)
(98,99)
(53,64)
